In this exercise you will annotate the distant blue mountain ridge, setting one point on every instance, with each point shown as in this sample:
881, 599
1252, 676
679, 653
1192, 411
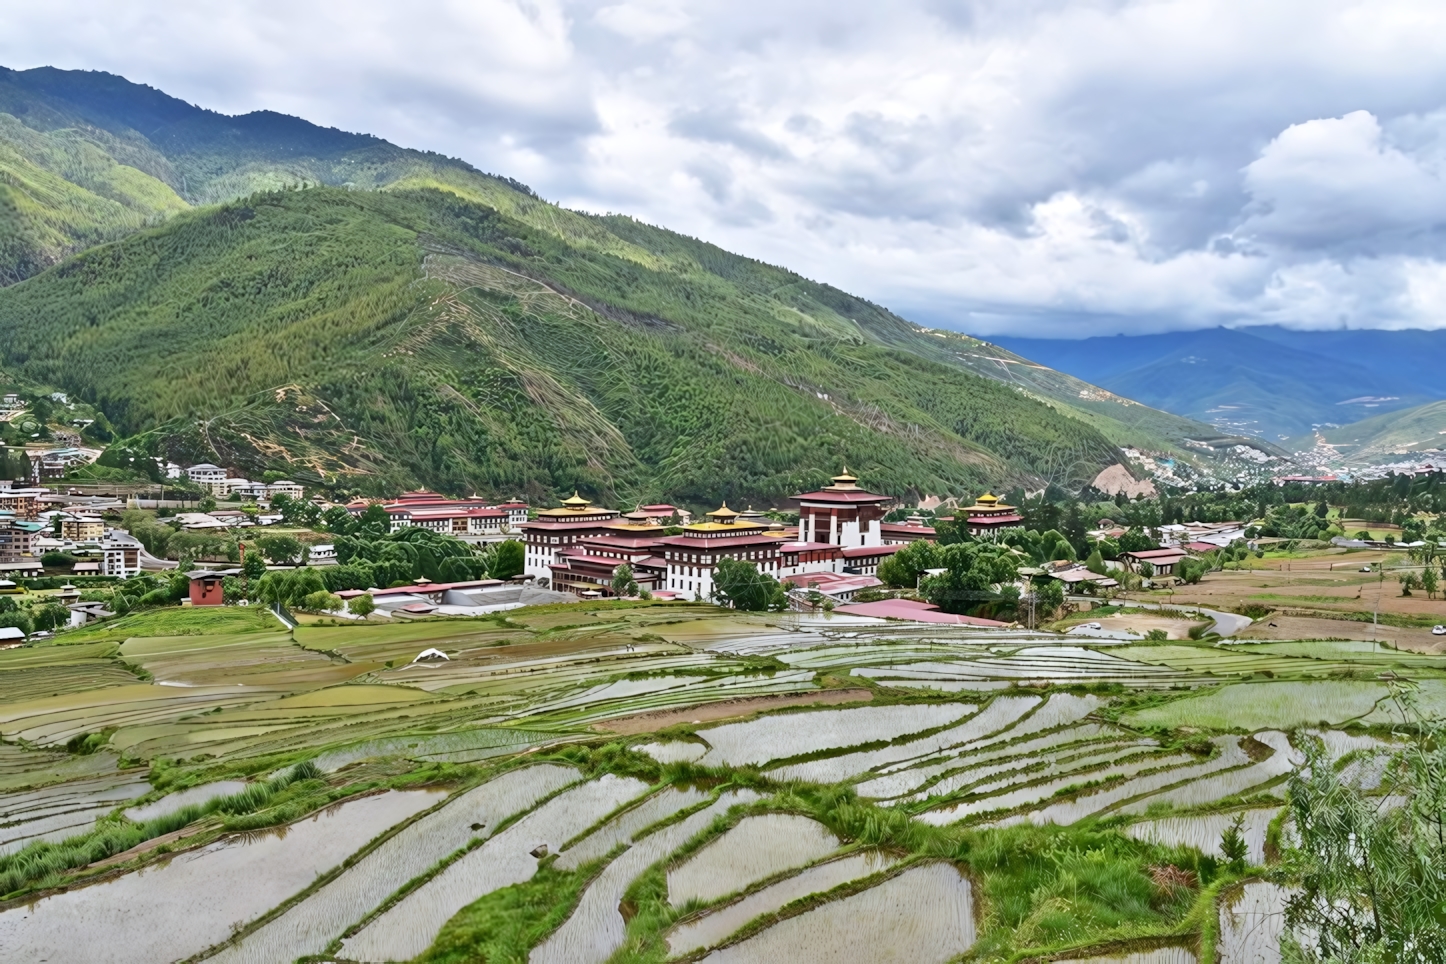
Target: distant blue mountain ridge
1272, 382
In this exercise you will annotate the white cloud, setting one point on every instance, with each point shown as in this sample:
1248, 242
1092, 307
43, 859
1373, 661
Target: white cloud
1049, 167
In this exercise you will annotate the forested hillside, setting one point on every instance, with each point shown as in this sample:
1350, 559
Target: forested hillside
381, 339
423, 322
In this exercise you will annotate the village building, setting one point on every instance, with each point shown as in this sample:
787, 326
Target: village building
211, 478
838, 586
556, 529
120, 554
82, 528
988, 516
17, 541
692, 556
842, 513
24, 502
1154, 563
798, 558
903, 533
587, 566
207, 586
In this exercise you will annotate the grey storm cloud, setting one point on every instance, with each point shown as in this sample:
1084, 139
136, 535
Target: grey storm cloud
1028, 166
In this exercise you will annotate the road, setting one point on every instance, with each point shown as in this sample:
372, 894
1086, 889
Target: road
1226, 624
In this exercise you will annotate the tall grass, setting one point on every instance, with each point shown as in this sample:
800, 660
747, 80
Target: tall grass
42, 864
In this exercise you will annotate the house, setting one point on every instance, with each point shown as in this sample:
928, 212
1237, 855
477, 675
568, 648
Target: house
10, 636
17, 537
120, 554
85, 528
1154, 562
284, 487
516, 511
692, 557
24, 502
841, 513
210, 477
207, 588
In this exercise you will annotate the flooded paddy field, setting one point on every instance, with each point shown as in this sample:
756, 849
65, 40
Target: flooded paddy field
779, 787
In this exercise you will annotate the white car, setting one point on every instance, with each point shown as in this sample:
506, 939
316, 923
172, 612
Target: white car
1367, 569
1438, 631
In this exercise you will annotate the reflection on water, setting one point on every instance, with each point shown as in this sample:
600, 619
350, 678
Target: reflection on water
173, 910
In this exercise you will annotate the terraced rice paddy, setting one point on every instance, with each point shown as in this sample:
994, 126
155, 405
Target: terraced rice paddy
714, 927
596, 928
408, 927
196, 899
1252, 920
758, 848
777, 738
441, 790
309, 926
925, 915
1203, 832
63, 810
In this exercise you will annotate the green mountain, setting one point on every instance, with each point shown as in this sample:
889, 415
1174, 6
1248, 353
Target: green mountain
416, 321
1416, 433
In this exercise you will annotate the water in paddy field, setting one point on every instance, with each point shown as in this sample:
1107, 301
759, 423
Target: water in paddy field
778, 737
596, 928
625, 826
1251, 925
923, 916
184, 798
309, 926
408, 928
174, 910
1203, 832
713, 928
63, 810
757, 848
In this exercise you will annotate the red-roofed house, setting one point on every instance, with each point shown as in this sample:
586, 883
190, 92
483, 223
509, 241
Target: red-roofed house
835, 585
988, 514
1155, 562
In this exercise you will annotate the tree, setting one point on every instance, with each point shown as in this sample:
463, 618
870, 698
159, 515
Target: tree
207, 504
976, 574
1408, 581
902, 569
623, 582
1193, 570
739, 584
254, 566
321, 601
509, 560
1369, 880
1428, 582
336, 519
1234, 845
1048, 598
1096, 563
282, 550
363, 605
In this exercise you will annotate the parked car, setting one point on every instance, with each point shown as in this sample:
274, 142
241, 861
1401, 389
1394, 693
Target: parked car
1367, 569
1438, 631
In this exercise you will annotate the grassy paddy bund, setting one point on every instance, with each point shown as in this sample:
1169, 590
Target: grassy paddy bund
634, 783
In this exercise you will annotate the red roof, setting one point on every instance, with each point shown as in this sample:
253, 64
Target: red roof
831, 581
718, 542
1151, 554
422, 588
904, 529
865, 552
911, 609
1201, 547
858, 497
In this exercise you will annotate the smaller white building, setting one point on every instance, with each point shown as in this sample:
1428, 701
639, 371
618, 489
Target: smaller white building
120, 554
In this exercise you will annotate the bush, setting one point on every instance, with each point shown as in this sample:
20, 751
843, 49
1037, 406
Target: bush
362, 606
321, 601
1157, 635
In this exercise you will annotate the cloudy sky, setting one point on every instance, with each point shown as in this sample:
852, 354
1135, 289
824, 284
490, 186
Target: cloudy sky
996, 166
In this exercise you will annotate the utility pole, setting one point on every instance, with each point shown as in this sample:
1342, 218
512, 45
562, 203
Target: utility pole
1380, 588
